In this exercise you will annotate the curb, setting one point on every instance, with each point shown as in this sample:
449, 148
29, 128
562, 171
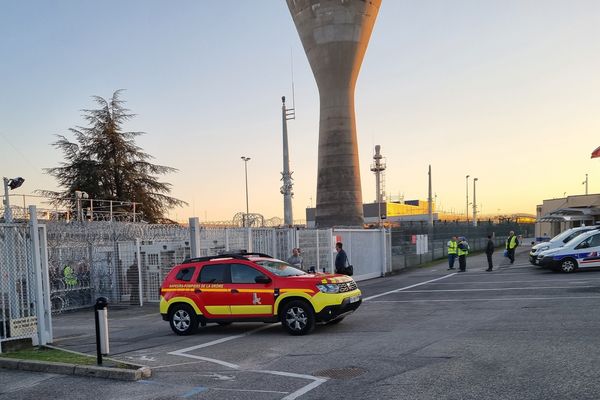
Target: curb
78, 370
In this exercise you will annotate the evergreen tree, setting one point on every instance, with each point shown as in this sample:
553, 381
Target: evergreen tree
105, 162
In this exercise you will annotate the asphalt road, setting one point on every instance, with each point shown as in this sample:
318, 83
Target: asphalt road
515, 333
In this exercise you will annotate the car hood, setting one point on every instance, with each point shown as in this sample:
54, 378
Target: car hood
550, 252
322, 278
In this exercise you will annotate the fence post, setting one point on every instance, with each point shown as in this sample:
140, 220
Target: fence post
330, 250
37, 267
138, 252
318, 252
226, 239
249, 235
383, 252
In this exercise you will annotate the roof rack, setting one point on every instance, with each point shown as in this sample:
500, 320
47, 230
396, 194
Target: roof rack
237, 256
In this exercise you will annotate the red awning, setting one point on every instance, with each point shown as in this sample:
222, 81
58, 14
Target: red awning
596, 153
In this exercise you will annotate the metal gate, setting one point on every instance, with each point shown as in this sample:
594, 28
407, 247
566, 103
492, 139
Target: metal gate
24, 283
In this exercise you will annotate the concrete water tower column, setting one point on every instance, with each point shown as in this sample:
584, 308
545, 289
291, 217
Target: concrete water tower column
335, 35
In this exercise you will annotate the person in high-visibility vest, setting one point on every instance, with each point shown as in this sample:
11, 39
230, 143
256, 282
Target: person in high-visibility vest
69, 276
511, 244
463, 250
452, 252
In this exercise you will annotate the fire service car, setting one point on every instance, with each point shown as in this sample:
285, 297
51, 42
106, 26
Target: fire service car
253, 287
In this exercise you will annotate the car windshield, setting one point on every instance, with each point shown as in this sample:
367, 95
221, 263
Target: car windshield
576, 239
280, 268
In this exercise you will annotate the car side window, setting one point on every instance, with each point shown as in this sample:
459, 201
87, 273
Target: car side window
241, 273
216, 273
185, 274
595, 241
584, 244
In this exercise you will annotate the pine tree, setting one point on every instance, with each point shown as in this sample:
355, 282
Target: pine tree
104, 161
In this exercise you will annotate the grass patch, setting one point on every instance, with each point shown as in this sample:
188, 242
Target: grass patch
47, 354
52, 355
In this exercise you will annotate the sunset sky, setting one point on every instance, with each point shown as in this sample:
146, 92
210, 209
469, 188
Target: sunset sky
506, 91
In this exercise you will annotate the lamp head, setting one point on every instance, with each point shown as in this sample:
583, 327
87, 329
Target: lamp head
15, 183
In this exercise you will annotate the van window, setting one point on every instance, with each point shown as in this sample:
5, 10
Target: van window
574, 235
217, 273
185, 274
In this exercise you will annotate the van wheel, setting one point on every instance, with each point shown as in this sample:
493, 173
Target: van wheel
298, 317
183, 320
568, 265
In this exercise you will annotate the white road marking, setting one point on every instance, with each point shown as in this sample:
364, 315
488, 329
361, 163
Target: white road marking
489, 299
496, 289
223, 340
316, 381
536, 281
248, 390
408, 287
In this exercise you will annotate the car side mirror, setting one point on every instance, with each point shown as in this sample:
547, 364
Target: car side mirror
262, 279
583, 245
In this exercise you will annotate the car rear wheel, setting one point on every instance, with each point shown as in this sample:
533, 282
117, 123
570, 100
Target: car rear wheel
298, 317
568, 265
183, 320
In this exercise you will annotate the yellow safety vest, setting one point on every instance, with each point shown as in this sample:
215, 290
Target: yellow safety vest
462, 252
452, 247
511, 242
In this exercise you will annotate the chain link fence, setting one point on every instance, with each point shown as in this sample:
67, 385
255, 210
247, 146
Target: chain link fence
404, 249
18, 291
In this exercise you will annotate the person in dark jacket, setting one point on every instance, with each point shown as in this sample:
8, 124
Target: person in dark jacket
489, 250
340, 259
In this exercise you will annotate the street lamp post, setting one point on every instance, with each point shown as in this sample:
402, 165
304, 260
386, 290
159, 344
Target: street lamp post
474, 203
10, 184
246, 159
467, 208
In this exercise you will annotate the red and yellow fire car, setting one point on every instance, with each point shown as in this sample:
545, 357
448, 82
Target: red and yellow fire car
253, 287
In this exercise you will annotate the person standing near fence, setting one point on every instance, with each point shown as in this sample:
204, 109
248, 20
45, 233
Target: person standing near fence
341, 259
452, 252
133, 280
511, 244
489, 250
463, 250
295, 260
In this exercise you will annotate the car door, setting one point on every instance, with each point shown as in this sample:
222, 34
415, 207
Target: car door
589, 252
249, 298
211, 292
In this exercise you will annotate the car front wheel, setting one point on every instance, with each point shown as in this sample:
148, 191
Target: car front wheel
568, 265
298, 317
183, 320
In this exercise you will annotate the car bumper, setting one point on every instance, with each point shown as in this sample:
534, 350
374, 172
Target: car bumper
546, 262
348, 306
533, 259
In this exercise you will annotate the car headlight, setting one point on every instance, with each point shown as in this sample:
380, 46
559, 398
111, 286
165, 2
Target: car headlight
328, 288
543, 248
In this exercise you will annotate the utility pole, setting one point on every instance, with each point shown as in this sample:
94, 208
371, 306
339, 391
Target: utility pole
474, 203
429, 201
286, 175
378, 167
586, 184
246, 159
467, 208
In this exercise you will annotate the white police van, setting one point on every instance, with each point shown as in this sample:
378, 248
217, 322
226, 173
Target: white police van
581, 252
558, 241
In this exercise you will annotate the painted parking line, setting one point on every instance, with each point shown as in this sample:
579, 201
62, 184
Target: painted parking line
574, 282
488, 299
497, 289
408, 287
316, 381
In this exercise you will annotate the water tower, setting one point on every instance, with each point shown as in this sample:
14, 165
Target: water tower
335, 35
